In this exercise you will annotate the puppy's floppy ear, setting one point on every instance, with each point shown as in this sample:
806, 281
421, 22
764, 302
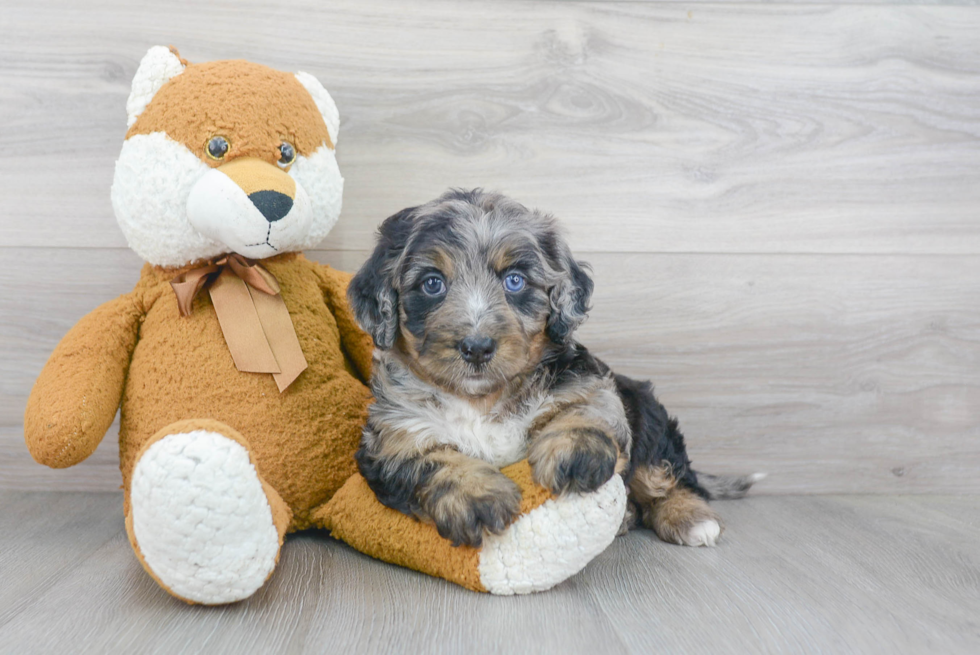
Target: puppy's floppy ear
570, 296
371, 293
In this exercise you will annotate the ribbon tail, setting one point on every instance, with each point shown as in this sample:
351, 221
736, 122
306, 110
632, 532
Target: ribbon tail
281, 336
186, 287
240, 323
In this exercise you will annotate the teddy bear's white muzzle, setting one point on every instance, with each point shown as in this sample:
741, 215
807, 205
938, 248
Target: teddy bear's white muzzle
256, 223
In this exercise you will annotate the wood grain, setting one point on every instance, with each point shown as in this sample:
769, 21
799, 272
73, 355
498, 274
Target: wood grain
791, 575
832, 373
779, 199
650, 127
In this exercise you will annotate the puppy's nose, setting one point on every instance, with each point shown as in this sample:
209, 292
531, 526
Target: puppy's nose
477, 350
272, 204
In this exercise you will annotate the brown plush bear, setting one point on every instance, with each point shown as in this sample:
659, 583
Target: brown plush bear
238, 367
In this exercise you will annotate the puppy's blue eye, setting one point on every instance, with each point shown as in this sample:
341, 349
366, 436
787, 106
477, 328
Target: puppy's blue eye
433, 286
514, 282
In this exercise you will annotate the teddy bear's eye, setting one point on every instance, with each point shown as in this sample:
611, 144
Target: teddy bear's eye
218, 147
287, 154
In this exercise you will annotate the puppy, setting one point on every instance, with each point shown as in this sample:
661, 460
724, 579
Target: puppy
473, 300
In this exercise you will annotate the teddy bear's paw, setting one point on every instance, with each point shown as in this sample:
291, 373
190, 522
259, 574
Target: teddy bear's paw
201, 519
553, 541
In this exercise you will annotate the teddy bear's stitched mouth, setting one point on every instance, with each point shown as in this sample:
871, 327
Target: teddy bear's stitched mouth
263, 243
268, 233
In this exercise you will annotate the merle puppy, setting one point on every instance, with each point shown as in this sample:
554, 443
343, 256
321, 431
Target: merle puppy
472, 300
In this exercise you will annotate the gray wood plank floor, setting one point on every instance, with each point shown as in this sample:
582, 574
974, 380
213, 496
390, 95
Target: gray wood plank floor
833, 574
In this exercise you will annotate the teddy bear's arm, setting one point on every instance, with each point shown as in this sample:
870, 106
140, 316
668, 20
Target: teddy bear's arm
356, 343
75, 398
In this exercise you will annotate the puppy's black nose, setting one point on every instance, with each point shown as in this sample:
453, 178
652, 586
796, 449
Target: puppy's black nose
477, 350
272, 204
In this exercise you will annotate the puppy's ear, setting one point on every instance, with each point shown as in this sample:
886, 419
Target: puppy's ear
571, 294
372, 293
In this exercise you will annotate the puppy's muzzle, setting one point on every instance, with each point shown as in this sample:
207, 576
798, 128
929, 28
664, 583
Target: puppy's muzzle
477, 349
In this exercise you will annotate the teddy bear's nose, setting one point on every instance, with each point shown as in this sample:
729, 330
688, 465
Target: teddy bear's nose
272, 204
269, 188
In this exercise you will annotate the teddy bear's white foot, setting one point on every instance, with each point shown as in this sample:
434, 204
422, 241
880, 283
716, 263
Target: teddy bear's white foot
201, 520
553, 541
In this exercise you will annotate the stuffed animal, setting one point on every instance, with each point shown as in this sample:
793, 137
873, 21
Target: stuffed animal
238, 366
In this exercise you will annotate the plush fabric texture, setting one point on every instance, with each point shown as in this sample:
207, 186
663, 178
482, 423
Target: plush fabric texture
204, 524
553, 539
218, 94
324, 102
355, 516
153, 179
75, 398
180, 368
217, 464
303, 438
300, 442
158, 66
175, 109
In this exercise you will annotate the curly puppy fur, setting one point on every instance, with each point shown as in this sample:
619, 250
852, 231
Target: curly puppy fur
472, 300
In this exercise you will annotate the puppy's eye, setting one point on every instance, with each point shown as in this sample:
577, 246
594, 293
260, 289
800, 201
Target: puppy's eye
433, 286
287, 154
514, 282
218, 147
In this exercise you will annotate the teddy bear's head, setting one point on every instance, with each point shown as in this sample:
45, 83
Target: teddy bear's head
225, 157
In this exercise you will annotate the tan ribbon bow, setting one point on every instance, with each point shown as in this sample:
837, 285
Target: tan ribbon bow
257, 326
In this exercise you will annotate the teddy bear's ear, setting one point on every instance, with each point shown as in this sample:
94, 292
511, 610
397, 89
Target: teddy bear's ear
158, 66
323, 102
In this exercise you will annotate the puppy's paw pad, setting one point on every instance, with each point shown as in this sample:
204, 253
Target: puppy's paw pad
703, 533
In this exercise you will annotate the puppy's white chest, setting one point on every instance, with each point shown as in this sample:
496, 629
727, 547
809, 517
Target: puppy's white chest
500, 442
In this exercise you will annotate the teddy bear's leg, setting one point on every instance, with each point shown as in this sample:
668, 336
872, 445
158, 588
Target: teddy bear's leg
553, 538
201, 520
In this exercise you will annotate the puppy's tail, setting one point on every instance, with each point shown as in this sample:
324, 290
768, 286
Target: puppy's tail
728, 486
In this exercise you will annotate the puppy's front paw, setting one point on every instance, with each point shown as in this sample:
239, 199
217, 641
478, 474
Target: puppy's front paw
465, 507
581, 460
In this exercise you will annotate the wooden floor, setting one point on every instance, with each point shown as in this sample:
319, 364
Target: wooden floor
793, 574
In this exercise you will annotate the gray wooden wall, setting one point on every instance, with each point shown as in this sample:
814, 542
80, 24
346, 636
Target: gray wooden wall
781, 201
